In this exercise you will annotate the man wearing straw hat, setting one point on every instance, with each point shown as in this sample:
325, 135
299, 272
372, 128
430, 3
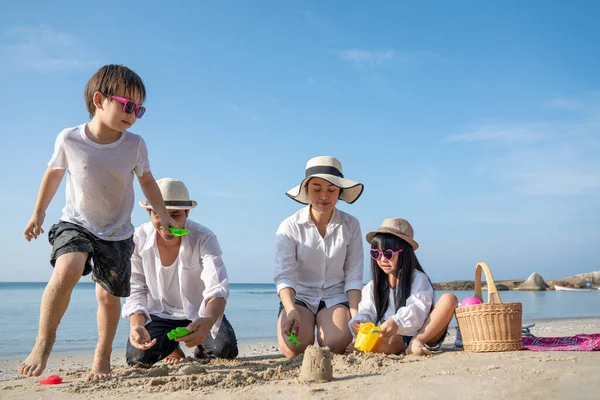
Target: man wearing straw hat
177, 282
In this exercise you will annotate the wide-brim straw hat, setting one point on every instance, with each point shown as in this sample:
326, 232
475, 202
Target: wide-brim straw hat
398, 227
174, 193
329, 169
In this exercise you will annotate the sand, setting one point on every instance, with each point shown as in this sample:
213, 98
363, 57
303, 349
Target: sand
262, 373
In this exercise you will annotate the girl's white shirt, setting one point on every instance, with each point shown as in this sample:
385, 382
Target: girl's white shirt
409, 318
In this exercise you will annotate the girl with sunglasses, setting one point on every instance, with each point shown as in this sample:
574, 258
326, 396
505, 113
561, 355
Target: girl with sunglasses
399, 297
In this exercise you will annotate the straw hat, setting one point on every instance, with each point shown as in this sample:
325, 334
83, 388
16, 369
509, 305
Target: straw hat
174, 193
398, 227
329, 169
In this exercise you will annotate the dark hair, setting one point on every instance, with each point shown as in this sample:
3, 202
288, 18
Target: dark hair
108, 80
406, 264
339, 195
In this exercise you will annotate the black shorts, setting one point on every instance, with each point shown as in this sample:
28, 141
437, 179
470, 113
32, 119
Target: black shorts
110, 261
303, 304
223, 346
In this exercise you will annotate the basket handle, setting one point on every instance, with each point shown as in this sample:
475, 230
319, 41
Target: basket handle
493, 296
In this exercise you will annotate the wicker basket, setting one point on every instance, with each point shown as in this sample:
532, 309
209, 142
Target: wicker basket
493, 326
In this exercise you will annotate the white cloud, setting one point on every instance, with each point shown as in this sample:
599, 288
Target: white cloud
558, 158
564, 103
588, 102
363, 58
561, 183
517, 133
556, 169
244, 113
366, 58
44, 49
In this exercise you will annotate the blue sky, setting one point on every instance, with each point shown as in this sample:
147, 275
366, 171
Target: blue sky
478, 122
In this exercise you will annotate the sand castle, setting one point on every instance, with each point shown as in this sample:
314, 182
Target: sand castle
316, 365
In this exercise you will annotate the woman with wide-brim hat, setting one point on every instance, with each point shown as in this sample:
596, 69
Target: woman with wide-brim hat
319, 261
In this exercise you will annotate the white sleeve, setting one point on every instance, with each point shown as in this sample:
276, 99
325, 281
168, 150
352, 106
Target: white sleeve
214, 276
59, 158
142, 164
353, 265
285, 258
137, 302
412, 316
366, 308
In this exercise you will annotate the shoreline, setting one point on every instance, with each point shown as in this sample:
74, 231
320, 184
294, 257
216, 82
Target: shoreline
262, 372
119, 349
253, 347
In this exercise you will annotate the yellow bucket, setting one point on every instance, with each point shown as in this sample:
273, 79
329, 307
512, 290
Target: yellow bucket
367, 336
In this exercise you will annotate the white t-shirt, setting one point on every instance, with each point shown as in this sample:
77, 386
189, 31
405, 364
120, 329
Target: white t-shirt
168, 278
100, 193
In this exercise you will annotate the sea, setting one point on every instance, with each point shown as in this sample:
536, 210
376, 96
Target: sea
251, 309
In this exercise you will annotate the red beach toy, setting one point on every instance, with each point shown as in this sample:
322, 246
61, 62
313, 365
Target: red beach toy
51, 380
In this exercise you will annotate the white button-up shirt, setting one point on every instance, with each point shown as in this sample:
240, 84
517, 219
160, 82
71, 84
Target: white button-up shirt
319, 268
409, 318
201, 276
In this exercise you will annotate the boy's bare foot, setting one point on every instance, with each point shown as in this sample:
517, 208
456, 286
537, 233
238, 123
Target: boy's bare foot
175, 357
100, 369
34, 364
417, 347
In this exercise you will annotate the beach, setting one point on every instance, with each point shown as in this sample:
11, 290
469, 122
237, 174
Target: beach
261, 372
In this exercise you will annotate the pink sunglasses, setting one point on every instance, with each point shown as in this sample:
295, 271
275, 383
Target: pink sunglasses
387, 254
130, 106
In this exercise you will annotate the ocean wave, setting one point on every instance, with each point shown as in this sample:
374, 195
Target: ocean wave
261, 292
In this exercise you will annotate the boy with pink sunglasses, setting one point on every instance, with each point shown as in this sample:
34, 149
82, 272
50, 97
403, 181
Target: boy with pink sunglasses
94, 233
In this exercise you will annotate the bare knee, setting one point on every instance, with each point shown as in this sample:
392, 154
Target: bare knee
106, 299
289, 352
448, 300
393, 345
335, 347
336, 344
69, 268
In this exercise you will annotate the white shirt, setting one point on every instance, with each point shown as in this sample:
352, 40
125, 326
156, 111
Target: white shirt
200, 273
409, 318
319, 268
100, 194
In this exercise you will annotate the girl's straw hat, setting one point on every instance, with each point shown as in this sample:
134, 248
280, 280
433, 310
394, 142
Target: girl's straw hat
329, 169
398, 227
174, 193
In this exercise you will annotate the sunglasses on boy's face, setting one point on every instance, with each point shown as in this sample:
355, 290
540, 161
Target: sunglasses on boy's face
130, 106
387, 254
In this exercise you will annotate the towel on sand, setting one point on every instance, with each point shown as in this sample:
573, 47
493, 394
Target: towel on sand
583, 342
